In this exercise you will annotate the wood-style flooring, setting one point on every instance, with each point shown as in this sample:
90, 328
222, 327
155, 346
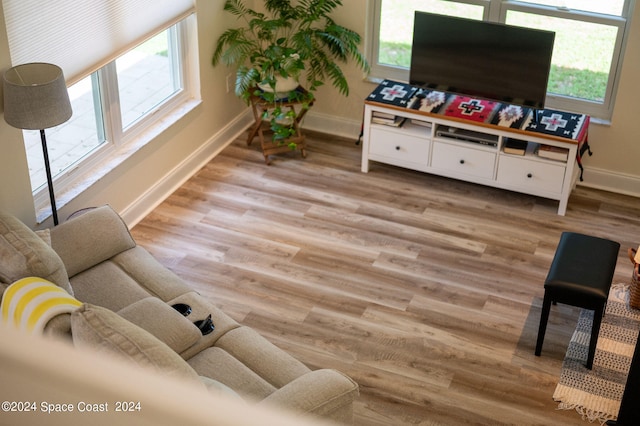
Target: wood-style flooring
425, 290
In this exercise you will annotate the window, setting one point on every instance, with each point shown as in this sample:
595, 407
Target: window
69, 142
125, 63
587, 51
148, 76
110, 107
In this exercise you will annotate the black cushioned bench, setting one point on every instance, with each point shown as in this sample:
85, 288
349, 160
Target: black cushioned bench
580, 275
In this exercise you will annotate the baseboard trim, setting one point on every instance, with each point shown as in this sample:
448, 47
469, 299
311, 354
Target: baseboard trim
148, 201
337, 126
606, 180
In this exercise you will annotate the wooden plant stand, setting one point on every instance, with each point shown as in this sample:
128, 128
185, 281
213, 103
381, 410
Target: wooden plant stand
262, 127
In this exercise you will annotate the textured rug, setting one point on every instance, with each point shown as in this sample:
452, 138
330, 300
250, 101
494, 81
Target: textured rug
596, 393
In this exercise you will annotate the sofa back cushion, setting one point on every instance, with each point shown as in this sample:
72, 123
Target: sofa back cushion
25, 254
91, 238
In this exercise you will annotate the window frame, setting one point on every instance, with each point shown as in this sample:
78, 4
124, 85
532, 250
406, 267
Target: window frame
117, 139
496, 11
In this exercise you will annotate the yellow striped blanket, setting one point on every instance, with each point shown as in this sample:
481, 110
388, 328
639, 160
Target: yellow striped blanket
30, 303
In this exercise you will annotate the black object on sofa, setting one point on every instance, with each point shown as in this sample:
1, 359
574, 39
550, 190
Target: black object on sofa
580, 275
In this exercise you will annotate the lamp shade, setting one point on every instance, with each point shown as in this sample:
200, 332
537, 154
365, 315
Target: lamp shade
35, 96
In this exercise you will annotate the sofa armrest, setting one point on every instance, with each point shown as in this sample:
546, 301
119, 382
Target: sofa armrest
326, 393
90, 238
162, 321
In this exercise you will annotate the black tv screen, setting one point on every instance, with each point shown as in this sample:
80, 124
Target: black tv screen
480, 58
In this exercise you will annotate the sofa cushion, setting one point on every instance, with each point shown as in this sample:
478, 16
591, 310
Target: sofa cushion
59, 327
258, 354
216, 387
91, 238
219, 365
164, 322
126, 278
45, 235
333, 393
150, 274
25, 254
107, 285
104, 330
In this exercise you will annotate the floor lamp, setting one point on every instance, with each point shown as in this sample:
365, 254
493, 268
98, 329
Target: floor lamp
36, 98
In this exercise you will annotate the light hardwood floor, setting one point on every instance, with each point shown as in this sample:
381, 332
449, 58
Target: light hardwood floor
425, 290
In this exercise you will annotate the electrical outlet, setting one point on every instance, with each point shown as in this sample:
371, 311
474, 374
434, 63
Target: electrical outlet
229, 82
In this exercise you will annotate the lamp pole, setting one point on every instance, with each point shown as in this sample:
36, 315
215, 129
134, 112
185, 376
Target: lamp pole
52, 198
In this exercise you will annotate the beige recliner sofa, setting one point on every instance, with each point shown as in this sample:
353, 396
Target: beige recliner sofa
128, 300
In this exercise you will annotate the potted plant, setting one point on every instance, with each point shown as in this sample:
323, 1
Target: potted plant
282, 45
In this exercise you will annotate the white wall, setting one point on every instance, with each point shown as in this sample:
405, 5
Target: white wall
615, 164
15, 187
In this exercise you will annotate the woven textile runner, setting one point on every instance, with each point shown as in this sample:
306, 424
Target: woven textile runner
596, 393
561, 124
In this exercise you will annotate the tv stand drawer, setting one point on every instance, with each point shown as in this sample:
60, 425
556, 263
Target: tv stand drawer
462, 160
530, 175
398, 146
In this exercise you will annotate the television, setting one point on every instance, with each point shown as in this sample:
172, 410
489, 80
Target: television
478, 58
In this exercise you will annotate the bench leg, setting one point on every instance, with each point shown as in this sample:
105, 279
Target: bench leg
544, 317
595, 331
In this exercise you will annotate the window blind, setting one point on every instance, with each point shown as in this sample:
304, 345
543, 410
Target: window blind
83, 36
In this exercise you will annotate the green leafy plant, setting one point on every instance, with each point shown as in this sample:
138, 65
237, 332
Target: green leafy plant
297, 41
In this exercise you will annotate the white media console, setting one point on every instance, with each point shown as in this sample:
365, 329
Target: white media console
469, 151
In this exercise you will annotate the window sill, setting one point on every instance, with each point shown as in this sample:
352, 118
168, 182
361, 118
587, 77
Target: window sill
112, 160
600, 122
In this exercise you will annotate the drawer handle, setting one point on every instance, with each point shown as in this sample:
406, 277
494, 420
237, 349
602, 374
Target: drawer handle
529, 175
462, 161
397, 148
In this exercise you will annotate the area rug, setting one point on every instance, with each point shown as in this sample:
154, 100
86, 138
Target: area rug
596, 393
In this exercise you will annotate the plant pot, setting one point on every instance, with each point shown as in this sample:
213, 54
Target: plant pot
283, 86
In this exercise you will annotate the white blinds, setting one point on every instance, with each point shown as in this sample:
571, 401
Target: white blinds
82, 36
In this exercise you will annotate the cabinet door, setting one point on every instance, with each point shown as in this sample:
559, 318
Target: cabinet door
398, 147
463, 160
530, 175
